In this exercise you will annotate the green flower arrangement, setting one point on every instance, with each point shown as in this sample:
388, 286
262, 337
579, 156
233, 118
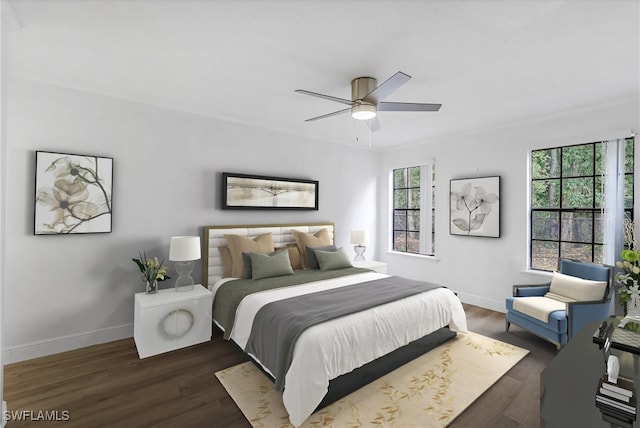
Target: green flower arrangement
152, 269
629, 266
630, 275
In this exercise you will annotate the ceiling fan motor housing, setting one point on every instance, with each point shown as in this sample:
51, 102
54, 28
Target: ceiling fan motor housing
361, 87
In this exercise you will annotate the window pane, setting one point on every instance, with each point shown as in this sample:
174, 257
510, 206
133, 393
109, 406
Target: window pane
545, 194
577, 193
598, 254
400, 178
544, 255
545, 163
400, 198
545, 225
413, 220
628, 191
600, 168
628, 156
399, 241
598, 231
580, 252
413, 242
577, 160
599, 200
414, 198
414, 176
577, 227
400, 220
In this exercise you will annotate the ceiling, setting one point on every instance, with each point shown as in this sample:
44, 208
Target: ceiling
489, 63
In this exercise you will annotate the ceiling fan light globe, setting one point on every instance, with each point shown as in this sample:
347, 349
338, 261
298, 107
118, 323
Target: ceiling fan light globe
363, 111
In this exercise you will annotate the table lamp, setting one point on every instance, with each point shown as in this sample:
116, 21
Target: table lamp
184, 250
359, 240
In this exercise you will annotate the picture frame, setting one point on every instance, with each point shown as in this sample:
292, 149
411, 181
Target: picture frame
73, 194
259, 192
475, 207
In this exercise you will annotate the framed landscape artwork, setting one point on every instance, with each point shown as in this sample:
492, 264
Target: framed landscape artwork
243, 191
475, 207
73, 194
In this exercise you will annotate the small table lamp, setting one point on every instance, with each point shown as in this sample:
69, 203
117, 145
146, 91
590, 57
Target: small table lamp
184, 250
359, 239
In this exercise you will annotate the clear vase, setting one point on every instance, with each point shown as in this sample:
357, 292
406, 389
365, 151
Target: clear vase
152, 286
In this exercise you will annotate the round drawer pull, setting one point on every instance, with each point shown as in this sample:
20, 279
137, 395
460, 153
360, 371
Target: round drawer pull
177, 323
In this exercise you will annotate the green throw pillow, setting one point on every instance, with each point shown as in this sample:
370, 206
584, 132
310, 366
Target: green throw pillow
268, 265
331, 260
312, 261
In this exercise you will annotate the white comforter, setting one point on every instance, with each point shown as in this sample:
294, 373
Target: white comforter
333, 348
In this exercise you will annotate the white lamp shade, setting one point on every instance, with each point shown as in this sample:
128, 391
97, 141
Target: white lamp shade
184, 248
359, 237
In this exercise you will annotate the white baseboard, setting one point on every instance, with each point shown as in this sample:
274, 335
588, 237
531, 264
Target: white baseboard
41, 348
483, 302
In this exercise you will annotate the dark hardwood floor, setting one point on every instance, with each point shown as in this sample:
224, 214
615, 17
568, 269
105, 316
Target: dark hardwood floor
108, 385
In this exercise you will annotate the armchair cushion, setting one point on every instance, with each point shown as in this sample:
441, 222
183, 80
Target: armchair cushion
538, 307
576, 289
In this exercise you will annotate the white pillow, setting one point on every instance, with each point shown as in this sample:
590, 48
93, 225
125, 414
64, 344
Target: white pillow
577, 288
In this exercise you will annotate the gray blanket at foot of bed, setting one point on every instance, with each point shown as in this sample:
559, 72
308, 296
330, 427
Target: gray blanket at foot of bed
277, 325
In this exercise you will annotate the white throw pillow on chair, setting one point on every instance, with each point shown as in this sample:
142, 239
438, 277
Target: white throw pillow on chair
577, 289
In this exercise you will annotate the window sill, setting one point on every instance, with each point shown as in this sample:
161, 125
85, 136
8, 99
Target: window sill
418, 256
539, 273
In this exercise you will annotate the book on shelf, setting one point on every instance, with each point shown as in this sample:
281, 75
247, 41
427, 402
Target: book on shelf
612, 402
624, 386
618, 413
622, 397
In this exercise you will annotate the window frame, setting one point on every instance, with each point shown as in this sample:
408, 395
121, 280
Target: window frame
596, 192
426, 208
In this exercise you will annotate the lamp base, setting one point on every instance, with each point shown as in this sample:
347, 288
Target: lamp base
359, 249
184, 282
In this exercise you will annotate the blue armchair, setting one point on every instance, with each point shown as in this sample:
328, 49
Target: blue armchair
556, 311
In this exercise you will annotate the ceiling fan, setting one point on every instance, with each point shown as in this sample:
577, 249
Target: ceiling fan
367, 99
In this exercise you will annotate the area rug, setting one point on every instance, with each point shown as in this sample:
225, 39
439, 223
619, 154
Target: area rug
429, 391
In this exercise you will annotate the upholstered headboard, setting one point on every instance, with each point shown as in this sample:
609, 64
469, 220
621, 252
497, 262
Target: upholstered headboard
282, 235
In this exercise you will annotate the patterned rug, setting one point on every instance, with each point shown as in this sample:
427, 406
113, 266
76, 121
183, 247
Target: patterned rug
429, 391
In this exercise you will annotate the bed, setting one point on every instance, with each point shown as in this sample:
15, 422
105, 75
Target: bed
340, 351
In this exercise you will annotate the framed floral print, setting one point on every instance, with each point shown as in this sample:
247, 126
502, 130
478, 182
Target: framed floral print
475, 207
73, 194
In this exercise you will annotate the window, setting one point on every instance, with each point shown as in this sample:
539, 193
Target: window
413, 209
568, 201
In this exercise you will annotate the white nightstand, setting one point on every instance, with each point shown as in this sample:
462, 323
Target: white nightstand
380, 267
170, 319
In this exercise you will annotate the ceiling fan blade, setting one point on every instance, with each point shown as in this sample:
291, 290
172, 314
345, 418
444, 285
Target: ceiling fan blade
386, 106
326, 97
324, 116
387, 88
373, 124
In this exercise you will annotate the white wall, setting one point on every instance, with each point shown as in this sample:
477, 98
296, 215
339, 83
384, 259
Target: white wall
64, 292
482, 270
3, 165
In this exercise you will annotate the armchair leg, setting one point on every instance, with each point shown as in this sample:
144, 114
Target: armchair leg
507, 324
